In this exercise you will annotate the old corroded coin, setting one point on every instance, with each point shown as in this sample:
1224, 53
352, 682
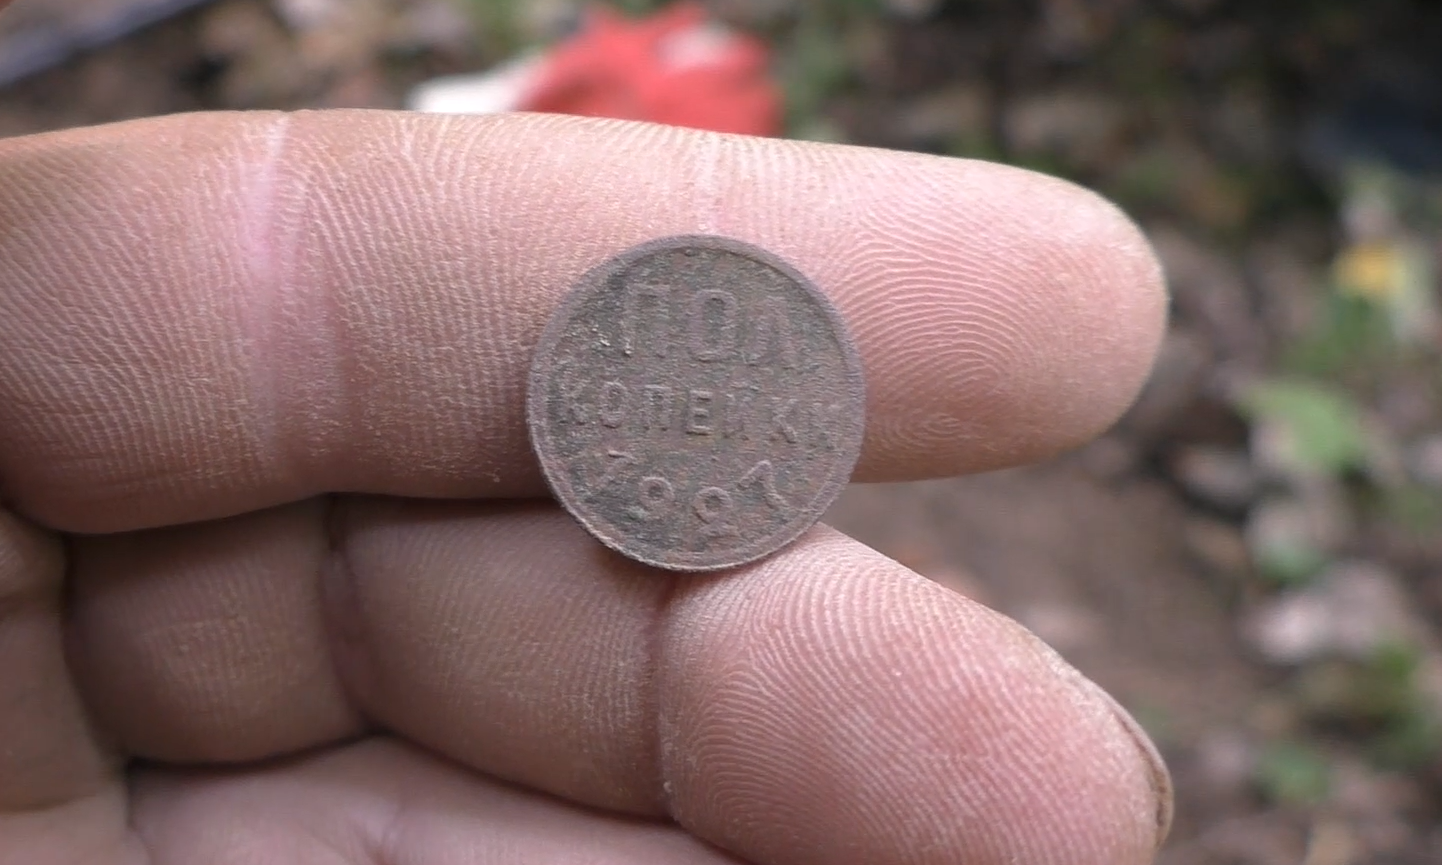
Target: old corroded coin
696, 403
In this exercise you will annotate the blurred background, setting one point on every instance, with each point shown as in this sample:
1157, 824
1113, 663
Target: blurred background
1252, 559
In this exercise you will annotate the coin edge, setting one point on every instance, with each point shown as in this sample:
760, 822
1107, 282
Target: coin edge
596, 277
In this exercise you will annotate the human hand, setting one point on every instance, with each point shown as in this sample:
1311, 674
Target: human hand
267, 593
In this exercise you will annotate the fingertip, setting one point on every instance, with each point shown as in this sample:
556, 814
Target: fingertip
855, 712
1020, 316
1110, 308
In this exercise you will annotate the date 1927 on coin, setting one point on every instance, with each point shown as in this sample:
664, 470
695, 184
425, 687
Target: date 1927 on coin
696, 403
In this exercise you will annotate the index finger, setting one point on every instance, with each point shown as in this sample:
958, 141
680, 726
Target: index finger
206, 314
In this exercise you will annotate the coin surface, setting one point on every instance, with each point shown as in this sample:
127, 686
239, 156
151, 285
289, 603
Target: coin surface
696, 403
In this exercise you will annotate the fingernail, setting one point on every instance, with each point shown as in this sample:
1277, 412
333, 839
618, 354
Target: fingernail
1157, 775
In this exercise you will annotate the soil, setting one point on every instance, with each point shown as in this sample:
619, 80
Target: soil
1227, 129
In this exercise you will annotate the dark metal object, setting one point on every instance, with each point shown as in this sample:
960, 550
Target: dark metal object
696, 403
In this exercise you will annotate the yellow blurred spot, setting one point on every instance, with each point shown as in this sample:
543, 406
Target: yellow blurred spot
1371, 270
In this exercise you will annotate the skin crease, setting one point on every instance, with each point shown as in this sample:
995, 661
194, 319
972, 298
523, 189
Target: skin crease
244, 356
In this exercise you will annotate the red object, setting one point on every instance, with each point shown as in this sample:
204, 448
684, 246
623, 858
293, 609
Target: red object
675, 67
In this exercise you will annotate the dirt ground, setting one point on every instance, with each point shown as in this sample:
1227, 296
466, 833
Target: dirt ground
1152, 559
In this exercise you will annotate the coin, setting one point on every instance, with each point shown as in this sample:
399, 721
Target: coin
696, 403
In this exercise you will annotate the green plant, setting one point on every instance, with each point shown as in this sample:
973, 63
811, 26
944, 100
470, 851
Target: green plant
1379, 701
1322, 423
1409, 733
498, 26
813, 67
1292, 772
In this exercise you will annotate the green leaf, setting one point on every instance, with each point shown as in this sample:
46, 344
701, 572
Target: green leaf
1293, 773
1289, 563
1323, 425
